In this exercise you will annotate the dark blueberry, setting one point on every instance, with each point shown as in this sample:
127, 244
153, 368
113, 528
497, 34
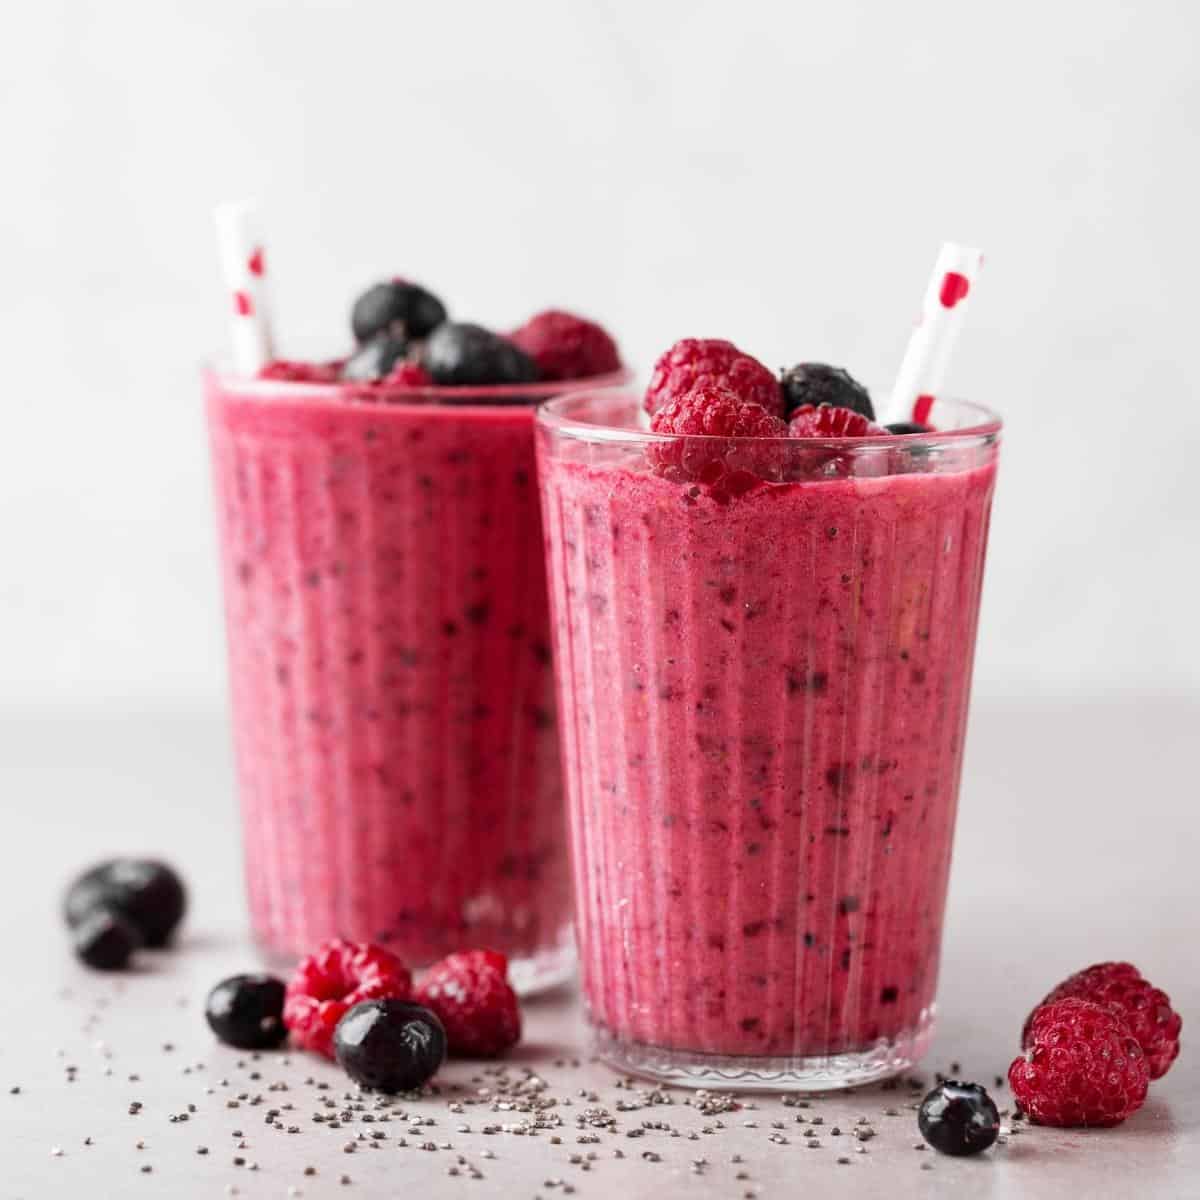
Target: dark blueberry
247, 1011
147, 893
818, 383
390, 1045
908, 427
958, 1118
460, 354
104, 939
374, 359
396, 307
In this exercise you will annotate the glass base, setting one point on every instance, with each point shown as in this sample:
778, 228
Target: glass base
729, 1072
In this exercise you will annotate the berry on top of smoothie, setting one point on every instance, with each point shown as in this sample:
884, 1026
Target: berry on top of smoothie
566, 346
459, 353
396, 307
375, 359
828, 421
814, 384
694, 361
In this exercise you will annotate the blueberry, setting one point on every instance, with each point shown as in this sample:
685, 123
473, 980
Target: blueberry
146, 892
396, 307
908, 427
818, 383
390, 1045
374, 359
247, 1011
958, 1118
104, 939
460, 354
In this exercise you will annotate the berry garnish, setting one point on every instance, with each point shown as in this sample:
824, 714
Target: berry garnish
471, 994
292, 371
390, 1045
246, 1011
105, 939
407, 374
329, 982
711, 361
146, 892
830, 422
903, 427
958, 1118
1081, 1066
458, 354
1146, 1009
814, 384
565, 346
375, 359
396, 307
708, 413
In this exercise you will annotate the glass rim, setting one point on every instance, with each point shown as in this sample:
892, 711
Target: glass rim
985, 426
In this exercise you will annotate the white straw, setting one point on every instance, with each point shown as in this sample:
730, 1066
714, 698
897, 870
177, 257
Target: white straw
243, 265
946, 299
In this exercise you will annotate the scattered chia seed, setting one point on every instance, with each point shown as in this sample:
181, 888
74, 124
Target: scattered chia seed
843, 1160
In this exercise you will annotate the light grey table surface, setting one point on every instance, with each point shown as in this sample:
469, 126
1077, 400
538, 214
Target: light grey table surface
1078, 841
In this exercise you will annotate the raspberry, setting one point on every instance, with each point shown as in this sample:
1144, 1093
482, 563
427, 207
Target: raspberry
471, 995
407, 373
565, 346
714, 412
826, 421
1146, 1009
695, 361
293, 371
329, 982
1082, 1066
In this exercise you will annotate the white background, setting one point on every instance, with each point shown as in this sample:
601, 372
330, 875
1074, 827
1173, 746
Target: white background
780, 174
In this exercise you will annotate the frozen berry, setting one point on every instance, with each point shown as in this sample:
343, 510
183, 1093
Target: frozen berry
565, 346
711, 361
146, 892
1081, 1066
407, 374
291, 371
375, 359
814, 384
830, 422
247, 1011
330, 981
1146, 1009
905, 427
397, 307
471, 994
104, 939
458, 354
390, 1045
958, 1118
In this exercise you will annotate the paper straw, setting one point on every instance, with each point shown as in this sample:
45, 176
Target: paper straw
925, 361
243, 264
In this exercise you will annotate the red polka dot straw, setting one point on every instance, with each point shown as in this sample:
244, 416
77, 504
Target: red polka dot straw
243, 265
925, 361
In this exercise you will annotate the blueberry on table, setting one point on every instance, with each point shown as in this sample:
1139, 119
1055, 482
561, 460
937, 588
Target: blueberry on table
396, 307
105, 940
375, 359
246, 1011
958, 1118
908, 427
145, 892
460, 354
819, 383
390, 1045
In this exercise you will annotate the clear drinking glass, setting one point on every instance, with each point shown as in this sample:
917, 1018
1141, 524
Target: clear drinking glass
762, 697
389, 665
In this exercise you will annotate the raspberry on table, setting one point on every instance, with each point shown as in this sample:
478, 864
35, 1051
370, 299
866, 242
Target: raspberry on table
293, 371
712, 361
330, 981
1145, 1009
471, 995
829, 421
565, 346
1081, 1066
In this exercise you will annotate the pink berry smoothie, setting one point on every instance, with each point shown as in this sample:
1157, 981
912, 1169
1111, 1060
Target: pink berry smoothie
390, 669
763, 707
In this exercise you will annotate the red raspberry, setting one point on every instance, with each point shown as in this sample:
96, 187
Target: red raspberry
1145, 1009
828, 421
471, 995
407, 373
329, 982
1082, 1066
695, 361
565, 346
292, 371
